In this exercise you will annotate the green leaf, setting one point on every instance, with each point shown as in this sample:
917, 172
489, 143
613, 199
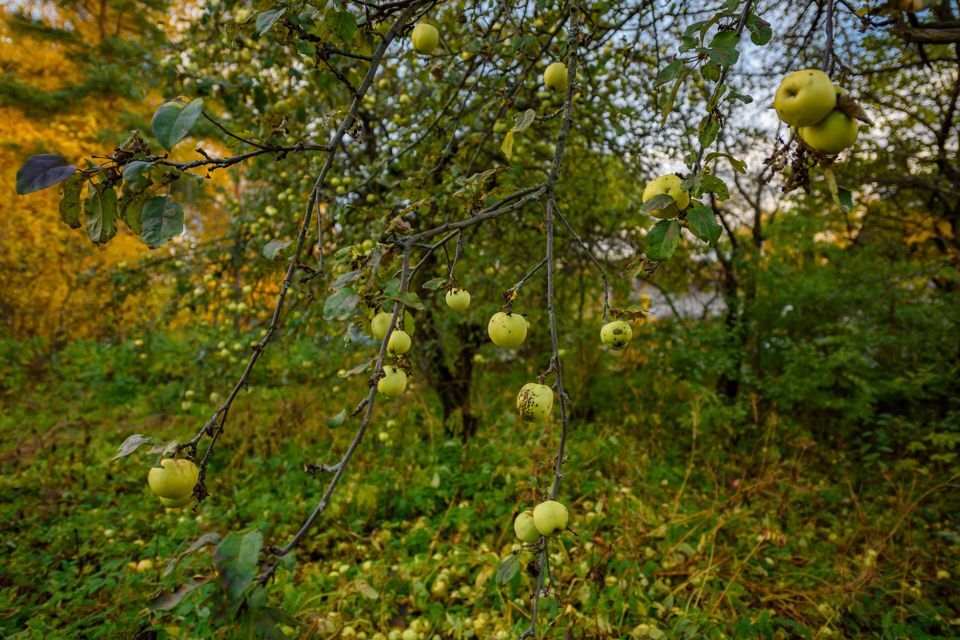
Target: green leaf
70, 193
739, 165
710, 71
133, 170
272, 248
434, 284
172, 121
709, 129
658, 203
723, 48
662, 240
668, 73
341, 304
100, 211
710, 183
760, 31
337, 420
237, 558
703, 223
130, 209
342, 24
201, 542
667, 102
845, 199
407, 298
508, 568
507, 145
267, 19
131, 444
160, 220
167, 600
42, 171
522, 121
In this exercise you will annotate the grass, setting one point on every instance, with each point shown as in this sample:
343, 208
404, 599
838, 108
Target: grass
682, 529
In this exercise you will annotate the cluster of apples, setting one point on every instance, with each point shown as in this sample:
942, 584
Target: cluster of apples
807, 100
426, 39
548, 519
173, 482
394, 380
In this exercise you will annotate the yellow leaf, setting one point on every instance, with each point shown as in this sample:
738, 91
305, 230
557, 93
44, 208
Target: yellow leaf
507, 145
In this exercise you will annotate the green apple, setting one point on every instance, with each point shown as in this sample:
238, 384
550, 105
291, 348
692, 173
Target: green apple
174, 478
525, 529
535, 401
399, 343
507, 330
550, 518
805, 98
425, 38
672, 185
555, 76
831, 135
616, 334
381, 322
458, 299
393, 383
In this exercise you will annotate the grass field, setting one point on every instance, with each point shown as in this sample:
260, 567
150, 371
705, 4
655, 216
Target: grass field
791, 538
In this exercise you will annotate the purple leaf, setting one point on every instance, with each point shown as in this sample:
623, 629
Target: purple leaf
42, 171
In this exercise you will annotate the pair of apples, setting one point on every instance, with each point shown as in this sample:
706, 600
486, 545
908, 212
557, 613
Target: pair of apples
426, 39
535, 400
807, 100
173, 481
548, 519
509, 330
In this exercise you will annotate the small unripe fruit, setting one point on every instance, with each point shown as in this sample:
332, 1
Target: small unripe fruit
550, 518
393, 383
616, 334
525, 529
555, 76
458, 299
535, 401
399, 343
425, 38
507, 330
174, 478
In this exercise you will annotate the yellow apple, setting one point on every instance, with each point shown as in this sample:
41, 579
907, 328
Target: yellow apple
831, 135
399, 343
805, 97
393, 383
458, 299
550, 518
616, 334
174, 478
425, 38
555, 76
507, 330
672, 185
535, 401
525, 529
